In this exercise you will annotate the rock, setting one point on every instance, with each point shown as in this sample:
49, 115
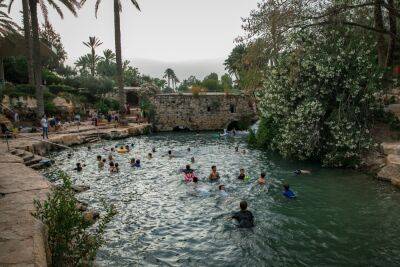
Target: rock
81, 206
396, 182
91, 216
80, 188
393, 159
391, 148
390, 173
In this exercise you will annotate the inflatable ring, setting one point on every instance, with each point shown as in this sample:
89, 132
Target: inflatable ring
122, 150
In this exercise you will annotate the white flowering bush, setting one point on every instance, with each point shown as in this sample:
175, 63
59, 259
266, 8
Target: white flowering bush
320, 98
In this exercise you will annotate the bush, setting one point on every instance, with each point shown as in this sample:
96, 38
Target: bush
51, 78
25, 89
69, 239
105, 105
59, 88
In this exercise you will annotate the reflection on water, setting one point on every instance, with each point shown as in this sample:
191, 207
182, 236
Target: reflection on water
340, 218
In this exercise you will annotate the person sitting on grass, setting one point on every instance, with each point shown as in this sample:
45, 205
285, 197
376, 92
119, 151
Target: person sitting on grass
244, 217
287, 192
214, 175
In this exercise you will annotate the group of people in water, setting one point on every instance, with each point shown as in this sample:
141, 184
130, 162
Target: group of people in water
244, 217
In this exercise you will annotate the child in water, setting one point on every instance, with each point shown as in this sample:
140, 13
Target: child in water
214, 175
244, 217
287, 192
262, 180
242, 175
299, 172
137, 163
149, 156
112, 167
133, 161
78, 167
222, 190
188, 174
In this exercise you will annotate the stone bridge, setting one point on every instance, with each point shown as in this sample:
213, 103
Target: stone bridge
205, 111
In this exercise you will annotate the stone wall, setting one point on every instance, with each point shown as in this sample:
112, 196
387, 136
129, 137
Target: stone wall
211, 111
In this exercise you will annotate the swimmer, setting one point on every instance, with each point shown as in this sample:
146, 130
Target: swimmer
188, 174
287, 192
103, 163
244, 217
214, 175
133, 161
149, 156
242, 175
153, 150
78, 167
132, 145
137, 163
116, 167
222, 190
112, 167
69, 155
188, 149
244, 151
192, 160
89, 148
127, 148
299, 172
98, 158
236, 149
262, 180
112, 149
170, 154
110, 157
100, 163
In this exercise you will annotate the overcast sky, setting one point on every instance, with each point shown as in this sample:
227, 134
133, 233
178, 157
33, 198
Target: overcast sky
170, 31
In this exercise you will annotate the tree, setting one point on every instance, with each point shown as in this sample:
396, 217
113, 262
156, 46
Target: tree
117, 28
71, 5
53, 40
211, 82
226, 82
93, 43
84, 63
107, 66
169, 74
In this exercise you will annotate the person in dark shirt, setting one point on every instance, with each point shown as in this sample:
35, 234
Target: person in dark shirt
287, 192
242, 175
244, 217
78, 167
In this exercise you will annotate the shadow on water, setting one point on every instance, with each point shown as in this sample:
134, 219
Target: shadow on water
340, 218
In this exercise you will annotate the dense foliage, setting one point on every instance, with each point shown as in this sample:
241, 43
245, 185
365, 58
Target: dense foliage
71, 241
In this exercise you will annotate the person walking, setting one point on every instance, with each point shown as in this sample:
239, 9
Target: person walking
45, 127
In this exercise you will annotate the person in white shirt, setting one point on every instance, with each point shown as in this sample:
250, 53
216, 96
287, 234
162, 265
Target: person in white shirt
45, 127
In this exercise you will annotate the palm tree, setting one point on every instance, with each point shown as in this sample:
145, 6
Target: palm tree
71, 5
7, 26
93, 43
175, 80
28, 37
169, 74
117, 28
108, 55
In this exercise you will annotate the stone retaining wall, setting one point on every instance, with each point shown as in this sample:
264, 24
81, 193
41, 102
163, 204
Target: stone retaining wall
211, 111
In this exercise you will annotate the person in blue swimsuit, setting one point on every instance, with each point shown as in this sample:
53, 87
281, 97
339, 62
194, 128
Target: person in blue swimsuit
287, 192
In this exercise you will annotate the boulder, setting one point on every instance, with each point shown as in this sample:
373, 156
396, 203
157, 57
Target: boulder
80, 188
390, 172
391, 148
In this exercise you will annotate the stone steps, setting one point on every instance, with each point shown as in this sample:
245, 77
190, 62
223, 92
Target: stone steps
31, 160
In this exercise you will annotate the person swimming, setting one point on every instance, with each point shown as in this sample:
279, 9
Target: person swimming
244, 217
116, 167
78, 167
133, 161
69, 155
110, 157
214, 175
153, 150
103, 163
222, 190
242, 175
188, 174
112, 149
89, 148
262, 180
112, 167
149, 156
170, 154
188, 149
127, 148
99, 162
192, 160
287, 192
137, 163
236, 149
299, 172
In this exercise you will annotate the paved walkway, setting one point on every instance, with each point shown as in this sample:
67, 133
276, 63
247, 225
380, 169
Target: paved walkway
21, 236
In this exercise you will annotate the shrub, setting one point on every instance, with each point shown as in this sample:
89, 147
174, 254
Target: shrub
69, 239
24, 89
56, 89
51, 78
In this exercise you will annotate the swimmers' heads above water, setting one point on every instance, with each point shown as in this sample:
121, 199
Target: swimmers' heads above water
299, 172
69, 155
188, 149
236, 149
262, 180
221, 187
98, 158
78, 167
150, 156
116, 167
214, 175
110, 157
153, 150
170, 152
89, 148
192, 160
287, 192
112, 149
137, 163
242, 175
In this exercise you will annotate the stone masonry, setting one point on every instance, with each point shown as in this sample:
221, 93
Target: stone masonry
206, 111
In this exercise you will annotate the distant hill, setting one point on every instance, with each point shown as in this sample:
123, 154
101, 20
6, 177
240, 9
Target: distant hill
183, 69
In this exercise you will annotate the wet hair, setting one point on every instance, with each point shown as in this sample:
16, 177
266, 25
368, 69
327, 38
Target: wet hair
286, 186
153, 149
78, 164
169, 152
188, 167
98, 157
132, 144
192, 159
133, 160
116, 165
89, 147
111, 164
243, 205
213, 167
104, 160
195, 179
188, 149
150, 155
221, 186
242, 169
138, 161
263, 174
236, 148
112, 149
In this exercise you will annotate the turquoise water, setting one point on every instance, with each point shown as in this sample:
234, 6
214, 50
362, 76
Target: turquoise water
340, 217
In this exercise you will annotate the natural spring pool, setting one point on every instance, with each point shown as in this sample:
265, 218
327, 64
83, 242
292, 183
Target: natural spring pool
340, 217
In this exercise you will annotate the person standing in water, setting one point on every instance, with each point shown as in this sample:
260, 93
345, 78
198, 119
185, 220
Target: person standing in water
244, 217
214, 175
262, 180
287, 192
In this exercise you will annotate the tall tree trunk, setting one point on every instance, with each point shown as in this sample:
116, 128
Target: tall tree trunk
28, 41
120, 78
393, 34
2, 78
93, 63
36, 58
380, 39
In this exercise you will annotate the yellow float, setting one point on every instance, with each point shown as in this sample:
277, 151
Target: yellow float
122, 150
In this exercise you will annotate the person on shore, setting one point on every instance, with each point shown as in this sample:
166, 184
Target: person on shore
45, 127
262, 180
300, 172
244, 217
222, 190
214, 175
78, 167
287, 192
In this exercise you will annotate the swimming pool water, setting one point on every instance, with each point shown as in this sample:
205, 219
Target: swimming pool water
340, 217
